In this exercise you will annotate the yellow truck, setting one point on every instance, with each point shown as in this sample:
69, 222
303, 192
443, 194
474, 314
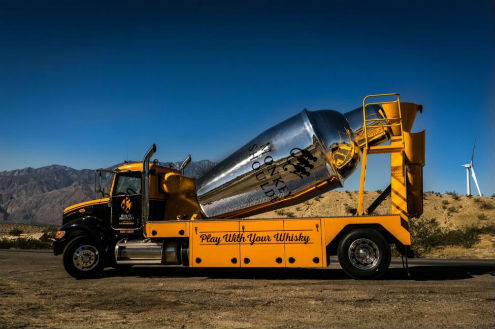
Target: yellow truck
154, 214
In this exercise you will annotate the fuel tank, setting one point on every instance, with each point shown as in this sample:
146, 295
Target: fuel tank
297, 159
147, 252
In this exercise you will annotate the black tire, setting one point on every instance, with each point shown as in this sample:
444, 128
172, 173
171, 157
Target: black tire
364, 254
83, 258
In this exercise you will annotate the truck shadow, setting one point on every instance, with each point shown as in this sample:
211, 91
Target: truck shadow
417, 273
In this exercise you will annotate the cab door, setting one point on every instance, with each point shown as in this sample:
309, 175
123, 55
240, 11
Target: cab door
126, 201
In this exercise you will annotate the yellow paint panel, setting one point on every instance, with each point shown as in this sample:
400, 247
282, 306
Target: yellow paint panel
226, 243
303, 243
259, 247
392, 223
167, 229
215, 244
332, 227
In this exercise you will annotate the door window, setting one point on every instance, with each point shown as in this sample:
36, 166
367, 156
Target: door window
128, 183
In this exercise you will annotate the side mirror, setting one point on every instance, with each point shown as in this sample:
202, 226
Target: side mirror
98, 183
184, 164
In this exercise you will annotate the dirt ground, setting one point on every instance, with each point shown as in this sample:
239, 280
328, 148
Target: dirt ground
36, 292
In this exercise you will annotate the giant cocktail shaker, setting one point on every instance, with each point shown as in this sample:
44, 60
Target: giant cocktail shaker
303, 156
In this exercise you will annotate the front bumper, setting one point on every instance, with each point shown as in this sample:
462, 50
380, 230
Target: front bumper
59, 246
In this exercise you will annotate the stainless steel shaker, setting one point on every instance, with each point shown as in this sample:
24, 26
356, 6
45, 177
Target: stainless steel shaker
303, 156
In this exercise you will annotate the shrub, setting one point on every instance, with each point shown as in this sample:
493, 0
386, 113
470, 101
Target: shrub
466, 237
445, 202
49, 234
290, 214
482, 217
16, 231
452, 209
318, 198
350, 210
280, 212
47, 237
5, 244
488, 229
23, 243
483, 205
427, 234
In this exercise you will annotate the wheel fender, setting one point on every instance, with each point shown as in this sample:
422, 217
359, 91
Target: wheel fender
333, 244
93, 227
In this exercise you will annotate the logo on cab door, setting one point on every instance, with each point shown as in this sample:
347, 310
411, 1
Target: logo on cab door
126, 205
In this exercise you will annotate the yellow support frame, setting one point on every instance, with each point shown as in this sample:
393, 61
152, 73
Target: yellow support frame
396, 150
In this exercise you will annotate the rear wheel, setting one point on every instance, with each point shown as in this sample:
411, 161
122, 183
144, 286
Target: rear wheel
83, 258
364, 254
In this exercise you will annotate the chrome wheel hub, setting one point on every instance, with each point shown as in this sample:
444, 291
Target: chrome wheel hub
85, 257
364, 254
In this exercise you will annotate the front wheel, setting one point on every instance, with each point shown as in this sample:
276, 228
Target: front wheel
83, 258
364, 254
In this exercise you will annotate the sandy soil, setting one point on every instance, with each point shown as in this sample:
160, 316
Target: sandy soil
36, 292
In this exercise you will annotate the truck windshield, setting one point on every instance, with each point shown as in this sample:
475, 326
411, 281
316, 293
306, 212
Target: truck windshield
128, 183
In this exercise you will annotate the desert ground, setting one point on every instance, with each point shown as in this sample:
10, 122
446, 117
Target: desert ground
36, 292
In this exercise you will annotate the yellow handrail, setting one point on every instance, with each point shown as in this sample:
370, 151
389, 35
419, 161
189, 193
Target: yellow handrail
389, 121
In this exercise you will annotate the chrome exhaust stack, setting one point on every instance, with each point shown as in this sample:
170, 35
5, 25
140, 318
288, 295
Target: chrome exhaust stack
145, 204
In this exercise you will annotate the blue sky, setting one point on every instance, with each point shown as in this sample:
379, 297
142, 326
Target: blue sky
87, 84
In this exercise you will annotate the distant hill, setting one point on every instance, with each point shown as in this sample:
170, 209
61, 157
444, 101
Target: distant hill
39, 195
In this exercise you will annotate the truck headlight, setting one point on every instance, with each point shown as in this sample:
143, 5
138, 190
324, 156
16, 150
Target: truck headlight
59, 235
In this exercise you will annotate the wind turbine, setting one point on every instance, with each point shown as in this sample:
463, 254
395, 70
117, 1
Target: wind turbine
470, 168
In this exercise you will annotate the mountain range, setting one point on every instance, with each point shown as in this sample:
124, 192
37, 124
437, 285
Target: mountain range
39, 195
